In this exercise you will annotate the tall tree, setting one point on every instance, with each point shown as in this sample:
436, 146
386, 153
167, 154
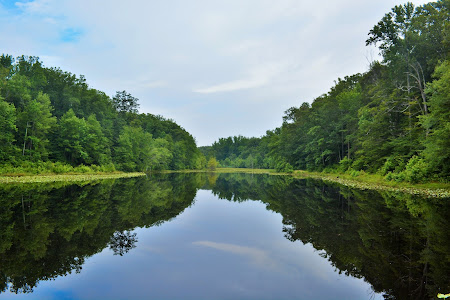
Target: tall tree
437, 150
72, 136
7, 129
96, 144
35, 122
134, 148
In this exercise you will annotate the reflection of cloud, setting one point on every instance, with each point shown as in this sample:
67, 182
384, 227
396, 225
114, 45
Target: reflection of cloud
151, 249
257, 256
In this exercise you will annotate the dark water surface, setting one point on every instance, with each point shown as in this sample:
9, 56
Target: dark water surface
228, 236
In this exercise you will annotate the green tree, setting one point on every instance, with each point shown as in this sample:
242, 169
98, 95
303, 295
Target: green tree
134, 148
7, 128
72, 138
96, 144
35, 122
17, 91
437, 145
159, 154
212, 164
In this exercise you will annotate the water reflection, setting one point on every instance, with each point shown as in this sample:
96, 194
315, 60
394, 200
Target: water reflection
397, 243
48, 231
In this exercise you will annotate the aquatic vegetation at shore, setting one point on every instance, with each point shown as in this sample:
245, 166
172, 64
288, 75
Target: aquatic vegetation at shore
66, 177
424, 192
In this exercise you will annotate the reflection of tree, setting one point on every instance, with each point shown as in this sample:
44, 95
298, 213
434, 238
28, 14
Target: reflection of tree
397, 243
122, 242
49, 231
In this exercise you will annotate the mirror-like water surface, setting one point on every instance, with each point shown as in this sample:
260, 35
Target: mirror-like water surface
227, 236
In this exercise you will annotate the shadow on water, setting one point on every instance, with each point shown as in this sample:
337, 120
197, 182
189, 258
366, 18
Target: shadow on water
397, 243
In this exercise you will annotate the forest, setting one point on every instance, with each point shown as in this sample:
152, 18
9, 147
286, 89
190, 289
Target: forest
52, 121
393, 120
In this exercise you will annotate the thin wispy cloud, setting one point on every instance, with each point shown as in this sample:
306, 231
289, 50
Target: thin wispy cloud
260, 76
233, 86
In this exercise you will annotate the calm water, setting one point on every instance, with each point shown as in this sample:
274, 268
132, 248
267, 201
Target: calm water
228, 236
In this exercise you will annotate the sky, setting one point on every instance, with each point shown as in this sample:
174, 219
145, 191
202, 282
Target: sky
218, 68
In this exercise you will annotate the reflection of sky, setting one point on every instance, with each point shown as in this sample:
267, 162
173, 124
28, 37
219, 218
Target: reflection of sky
215, 249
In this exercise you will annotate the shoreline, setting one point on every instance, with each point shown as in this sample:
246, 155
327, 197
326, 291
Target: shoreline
45, 178
371, 182
362, 182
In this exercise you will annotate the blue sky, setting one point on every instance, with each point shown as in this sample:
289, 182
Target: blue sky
218, 68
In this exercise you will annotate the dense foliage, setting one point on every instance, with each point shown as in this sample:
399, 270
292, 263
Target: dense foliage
394, 119
50, 115
395, 241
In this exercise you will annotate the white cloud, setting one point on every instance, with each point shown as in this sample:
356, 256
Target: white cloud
35, 7
275, 53
260, 76
153, 84
233, 86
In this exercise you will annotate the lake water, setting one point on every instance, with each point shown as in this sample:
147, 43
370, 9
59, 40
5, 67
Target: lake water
227, 236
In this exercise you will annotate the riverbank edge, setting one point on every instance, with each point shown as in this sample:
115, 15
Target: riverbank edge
375, 182
45, 178
362, 182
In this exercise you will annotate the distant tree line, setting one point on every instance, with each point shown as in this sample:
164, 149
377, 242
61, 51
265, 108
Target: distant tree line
394, 119
48, 115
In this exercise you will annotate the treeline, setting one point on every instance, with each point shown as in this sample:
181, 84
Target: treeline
51, 120
394, 119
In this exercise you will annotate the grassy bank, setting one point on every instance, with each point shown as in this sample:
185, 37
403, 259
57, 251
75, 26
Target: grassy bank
362, 181
42, 172
66, 177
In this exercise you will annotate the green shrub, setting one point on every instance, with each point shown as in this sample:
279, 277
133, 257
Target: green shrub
60, 168
399, 177
212, 164
330, 169
82, 169
417, 170
345, 164
359, 164
392, 164
388, 176
354, 173
95, 168
109, 168
284, 167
